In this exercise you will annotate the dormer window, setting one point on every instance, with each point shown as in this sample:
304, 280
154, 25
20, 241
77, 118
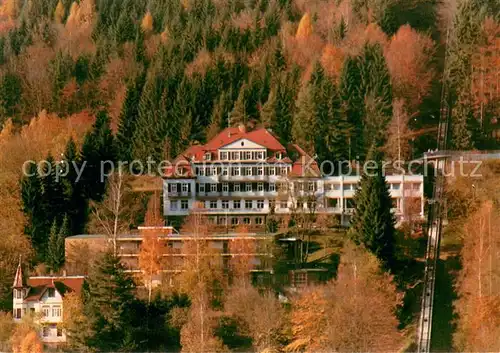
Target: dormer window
18, 293
208, 156
279, 155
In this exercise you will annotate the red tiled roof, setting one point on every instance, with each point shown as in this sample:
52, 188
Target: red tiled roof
231, 134
38, 286
305, 166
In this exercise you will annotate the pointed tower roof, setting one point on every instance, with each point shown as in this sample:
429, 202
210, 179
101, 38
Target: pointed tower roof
18, 280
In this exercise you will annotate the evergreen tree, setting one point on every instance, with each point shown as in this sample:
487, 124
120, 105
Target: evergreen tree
77, 204
373, 223
55, 249
108, 296
239, 112
304, 127
268, 111
128, 118
10, 93
97, 151
31, 194
53, 199
60, 69
353, 104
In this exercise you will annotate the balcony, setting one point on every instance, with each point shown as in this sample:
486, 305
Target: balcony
246, 177
231, 211
179, 194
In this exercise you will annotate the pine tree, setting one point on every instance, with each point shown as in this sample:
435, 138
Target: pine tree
77, 203
373, 223
268, 111
377, 91
55, 249
304, 121
128, 118
31, 194
53, 199
239, 112
108, 297
353, 105
97, 151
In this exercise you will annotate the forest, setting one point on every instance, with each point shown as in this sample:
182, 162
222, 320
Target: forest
95, 80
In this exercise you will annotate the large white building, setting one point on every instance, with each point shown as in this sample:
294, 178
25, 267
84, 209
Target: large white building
42, 297
241, 177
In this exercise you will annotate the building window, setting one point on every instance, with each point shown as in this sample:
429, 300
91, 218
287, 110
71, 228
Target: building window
236, 187
272, 187
184, 204
200, 171
247, 155
260, 203
237, 204
416, 187
213, 204
234, 221
260, 155
246, 220
208, 156
258, 220
260, 187
235, 171
300, 279
333, 203
248, 203
247, 171
396, 186
271, 171
32, 310
223, 156
222, 220
59, 332
51, 293
279, 155
283, 171
235, 156
347, 186
46, 331
213, 187
17, 313
56, 311
225, 171
225, 204
173, 187
208, 171
260, 170
174, 205
201, 187
45, 311
185, 187
18, 293
248, 187
283, 204
349, 203
225, 187
311, 186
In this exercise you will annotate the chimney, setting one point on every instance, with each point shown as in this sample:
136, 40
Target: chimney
241, 128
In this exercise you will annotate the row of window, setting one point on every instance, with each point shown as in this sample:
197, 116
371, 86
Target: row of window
351, 186
237, 187
47, 311
241, 156
241, 171
234, 221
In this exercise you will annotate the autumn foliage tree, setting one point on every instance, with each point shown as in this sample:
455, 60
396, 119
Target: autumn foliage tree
152, 247
200, 277
355, 312
478, 306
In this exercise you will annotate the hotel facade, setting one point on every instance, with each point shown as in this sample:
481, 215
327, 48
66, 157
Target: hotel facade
242, 177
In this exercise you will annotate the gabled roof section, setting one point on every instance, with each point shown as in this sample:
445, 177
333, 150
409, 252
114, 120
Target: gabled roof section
305, 165
38, 286
229, 135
